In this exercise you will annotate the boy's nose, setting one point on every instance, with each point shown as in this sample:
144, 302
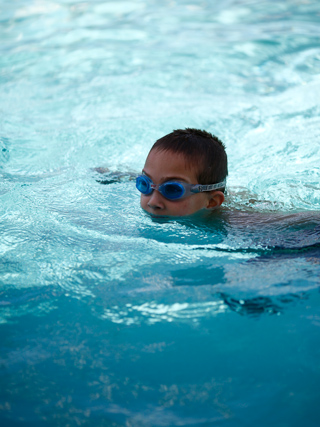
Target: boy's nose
156, 200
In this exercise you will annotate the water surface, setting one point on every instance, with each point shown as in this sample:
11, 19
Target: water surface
110, 317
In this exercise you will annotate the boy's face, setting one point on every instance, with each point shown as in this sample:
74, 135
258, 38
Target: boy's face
164, 166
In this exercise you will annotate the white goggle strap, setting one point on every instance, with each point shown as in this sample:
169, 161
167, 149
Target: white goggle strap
200, 188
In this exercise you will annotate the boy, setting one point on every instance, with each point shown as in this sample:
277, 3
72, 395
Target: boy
185, 172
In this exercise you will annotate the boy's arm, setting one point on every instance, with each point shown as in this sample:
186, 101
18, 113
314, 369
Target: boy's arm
109, 177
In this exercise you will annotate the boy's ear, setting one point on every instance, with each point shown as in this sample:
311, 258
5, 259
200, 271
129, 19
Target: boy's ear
216, 199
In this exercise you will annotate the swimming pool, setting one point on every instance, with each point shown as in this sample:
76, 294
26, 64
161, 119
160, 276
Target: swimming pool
112, 318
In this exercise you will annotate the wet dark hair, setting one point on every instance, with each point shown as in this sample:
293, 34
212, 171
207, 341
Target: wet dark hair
201, 149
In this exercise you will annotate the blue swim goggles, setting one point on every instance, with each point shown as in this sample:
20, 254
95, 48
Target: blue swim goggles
174, 190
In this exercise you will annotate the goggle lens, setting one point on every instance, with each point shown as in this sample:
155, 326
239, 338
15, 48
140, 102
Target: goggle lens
172, 191
143, 185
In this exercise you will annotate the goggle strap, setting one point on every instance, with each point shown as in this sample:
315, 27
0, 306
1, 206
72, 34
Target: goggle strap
211, 187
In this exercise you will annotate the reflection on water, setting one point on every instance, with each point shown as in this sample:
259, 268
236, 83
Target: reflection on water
109, 317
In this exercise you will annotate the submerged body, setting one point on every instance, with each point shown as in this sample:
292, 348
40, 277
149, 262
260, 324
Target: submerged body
263, 228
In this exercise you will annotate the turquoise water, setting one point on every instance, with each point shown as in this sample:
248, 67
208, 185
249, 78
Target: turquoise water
109, 317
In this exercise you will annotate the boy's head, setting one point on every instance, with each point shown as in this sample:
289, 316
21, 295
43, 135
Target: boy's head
188, 157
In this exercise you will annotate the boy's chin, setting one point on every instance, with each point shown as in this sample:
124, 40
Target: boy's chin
202, 213
156, 216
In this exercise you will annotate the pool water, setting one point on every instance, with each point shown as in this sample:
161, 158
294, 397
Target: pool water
110, 317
